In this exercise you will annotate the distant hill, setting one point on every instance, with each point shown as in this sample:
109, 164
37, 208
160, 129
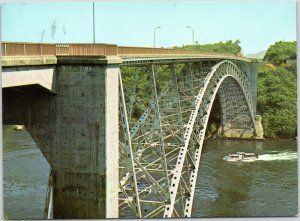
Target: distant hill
258, 55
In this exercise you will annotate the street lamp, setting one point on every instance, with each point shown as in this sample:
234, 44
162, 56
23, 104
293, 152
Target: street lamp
93, 22
192, 33
154, 33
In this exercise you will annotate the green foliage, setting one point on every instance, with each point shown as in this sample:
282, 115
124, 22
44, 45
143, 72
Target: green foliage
280, 123
277, 101
230, 46
280, 52
143, 86
277, 91
291, 67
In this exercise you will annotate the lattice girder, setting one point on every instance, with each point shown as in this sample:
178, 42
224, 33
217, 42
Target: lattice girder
166, 141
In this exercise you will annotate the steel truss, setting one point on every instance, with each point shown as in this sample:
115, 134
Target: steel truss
160, 150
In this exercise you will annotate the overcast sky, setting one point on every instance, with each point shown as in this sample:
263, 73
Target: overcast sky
257, 24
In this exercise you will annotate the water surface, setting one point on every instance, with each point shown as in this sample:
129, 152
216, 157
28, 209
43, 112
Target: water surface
25, 176
265, 187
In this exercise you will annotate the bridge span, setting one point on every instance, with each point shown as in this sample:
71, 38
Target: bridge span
123, 127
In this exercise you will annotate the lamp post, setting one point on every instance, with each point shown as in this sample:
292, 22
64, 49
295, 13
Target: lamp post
193, 32
93, 22
154, 34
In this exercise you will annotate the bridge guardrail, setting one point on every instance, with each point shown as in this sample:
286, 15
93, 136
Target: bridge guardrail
38, 49
86, 49
27, 49
123, 50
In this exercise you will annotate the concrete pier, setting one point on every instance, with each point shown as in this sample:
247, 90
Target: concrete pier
76, 128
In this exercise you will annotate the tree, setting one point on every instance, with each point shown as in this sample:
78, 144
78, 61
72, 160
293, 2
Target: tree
277, 101
224, 47
280, 52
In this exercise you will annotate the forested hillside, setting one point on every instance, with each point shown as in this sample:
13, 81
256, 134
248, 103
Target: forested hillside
277, 91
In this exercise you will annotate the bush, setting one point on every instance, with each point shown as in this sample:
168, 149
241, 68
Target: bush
280, 52
277, 101
222, 47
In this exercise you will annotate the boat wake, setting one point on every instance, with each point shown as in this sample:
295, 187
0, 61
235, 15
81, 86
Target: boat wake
272, 156
278, 156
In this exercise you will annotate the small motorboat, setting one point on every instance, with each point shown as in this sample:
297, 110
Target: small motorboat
18, 127
241, 156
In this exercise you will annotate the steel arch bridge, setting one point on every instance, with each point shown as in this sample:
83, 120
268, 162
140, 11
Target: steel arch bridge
164, 110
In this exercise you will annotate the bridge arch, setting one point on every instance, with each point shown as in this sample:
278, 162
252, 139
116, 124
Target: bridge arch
165, 186
235, 99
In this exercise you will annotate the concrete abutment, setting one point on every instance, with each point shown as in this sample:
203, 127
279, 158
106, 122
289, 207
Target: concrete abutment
77, 131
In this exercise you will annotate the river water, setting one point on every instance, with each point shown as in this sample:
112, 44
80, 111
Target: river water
25, 176
265, 187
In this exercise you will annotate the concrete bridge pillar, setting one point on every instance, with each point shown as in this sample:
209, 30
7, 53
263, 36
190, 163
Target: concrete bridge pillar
77, 131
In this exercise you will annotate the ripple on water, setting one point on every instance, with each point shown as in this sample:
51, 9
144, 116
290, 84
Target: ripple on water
209, 193
265, 187
25, 176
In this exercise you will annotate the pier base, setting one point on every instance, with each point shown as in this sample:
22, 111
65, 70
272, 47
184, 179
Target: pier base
244, 133
80, 195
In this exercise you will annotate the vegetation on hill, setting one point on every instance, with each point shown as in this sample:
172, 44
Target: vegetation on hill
229, 46
277, 91
280, 52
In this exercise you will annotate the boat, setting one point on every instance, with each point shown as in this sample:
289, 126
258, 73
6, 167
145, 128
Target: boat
18, 127
241, 156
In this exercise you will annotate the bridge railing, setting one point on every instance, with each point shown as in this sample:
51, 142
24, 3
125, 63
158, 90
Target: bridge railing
123, 50
142, 50
86, 49
36, 49
27, 49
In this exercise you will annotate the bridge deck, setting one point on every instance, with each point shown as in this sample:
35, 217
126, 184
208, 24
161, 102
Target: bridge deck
128, 59
47, 53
